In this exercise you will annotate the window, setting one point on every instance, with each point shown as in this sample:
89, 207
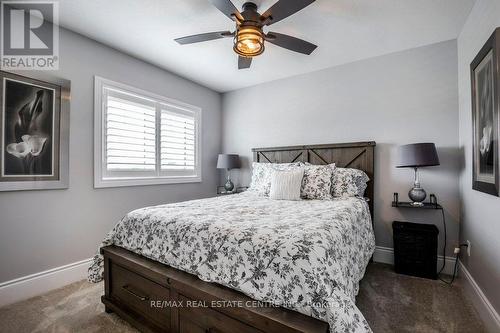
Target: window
143, 139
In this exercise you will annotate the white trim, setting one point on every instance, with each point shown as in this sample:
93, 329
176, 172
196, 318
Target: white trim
121, 182
101, 179
39, 283
491, 318
385, 255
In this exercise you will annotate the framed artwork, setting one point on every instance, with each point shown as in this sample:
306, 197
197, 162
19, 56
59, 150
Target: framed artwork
34, 130
485, 116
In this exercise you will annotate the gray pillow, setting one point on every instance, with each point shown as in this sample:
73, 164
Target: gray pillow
348, 182
317, 182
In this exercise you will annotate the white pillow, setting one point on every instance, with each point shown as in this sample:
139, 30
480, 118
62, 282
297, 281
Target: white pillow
262, 172
285, 185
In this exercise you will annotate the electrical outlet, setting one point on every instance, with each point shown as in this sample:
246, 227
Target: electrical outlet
468, 248
457, 250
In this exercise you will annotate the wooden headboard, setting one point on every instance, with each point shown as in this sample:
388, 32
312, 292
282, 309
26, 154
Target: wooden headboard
358, 155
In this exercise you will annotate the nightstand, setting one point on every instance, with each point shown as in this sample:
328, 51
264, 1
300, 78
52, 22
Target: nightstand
222, 191
415, 249
415, 244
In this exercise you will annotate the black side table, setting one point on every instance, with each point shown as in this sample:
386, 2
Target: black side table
222, 191
415, 244
415, 249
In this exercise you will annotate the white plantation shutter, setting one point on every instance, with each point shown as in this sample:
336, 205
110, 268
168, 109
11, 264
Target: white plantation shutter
130, 136
142, 138
178, 148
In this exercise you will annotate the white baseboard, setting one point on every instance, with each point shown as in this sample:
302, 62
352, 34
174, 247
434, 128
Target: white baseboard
39, 283
386, 255
490, 317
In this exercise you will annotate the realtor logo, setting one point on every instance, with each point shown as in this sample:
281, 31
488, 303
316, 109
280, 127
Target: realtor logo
29, 35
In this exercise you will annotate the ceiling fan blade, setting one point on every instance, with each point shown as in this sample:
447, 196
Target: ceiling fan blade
204, 37
244, 62
227, 8
282, 9
290, 43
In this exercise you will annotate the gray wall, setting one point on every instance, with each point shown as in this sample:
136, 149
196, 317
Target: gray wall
40, 230
400, 98
480, 212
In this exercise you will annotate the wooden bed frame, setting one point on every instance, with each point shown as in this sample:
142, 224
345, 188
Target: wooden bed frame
157, 298
357, 155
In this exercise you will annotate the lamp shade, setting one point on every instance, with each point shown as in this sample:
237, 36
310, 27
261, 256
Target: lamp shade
228, 161
417, 155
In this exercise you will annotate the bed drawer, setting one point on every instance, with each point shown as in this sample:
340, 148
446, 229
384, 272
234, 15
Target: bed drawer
148, 281
139, 293
206, 320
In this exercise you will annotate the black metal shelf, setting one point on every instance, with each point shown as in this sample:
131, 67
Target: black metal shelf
221, 190
427, 205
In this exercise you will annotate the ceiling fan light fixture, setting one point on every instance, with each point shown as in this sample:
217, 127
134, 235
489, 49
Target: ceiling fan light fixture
249, 38
248, 41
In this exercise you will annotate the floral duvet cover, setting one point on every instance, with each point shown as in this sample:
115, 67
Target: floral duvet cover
307, 256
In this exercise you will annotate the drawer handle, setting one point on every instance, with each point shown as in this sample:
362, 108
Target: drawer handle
127, 289
211, 330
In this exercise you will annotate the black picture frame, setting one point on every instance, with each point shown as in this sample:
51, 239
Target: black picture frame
34, 131
485, 75
30, 111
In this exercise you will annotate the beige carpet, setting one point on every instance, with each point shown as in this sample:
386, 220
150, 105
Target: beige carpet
390, 303
398, 303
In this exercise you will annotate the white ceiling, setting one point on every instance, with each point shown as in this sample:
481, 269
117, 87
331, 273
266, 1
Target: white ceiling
344, 30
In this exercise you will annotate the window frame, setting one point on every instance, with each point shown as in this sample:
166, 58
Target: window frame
103, 178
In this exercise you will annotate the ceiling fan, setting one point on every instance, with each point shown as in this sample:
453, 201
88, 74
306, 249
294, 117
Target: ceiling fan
249, 37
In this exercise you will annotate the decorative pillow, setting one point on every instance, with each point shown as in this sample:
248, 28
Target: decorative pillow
317, 182
347, 182
285, 185
262, 172
260, 178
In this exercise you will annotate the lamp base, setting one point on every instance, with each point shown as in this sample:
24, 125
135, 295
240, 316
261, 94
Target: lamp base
229, 186
417, 195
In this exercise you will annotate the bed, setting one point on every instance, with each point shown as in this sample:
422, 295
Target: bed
244, 263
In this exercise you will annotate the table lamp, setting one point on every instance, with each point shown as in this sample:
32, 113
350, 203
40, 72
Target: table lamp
228, 162
417, 155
